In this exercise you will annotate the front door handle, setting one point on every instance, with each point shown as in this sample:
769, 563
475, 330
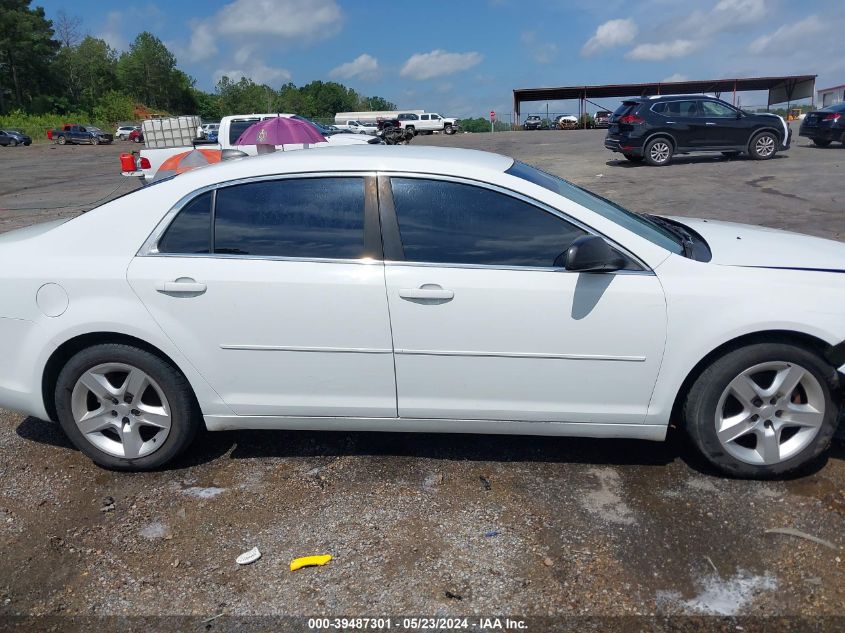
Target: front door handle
183, 285
427, 291
709, 123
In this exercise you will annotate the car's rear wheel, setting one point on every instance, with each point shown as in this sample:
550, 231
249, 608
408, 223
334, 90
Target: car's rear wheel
763, 146
411, 129
13, 143
658, 151
820, 142
125, 408
633, 158
61, 140
763, 411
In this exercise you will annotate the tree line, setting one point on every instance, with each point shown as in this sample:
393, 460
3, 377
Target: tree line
50, 68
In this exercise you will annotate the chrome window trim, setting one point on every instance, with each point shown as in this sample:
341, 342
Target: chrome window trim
528, 200
150, 246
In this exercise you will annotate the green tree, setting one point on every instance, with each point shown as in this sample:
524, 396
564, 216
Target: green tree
376, 103
147, 71
243, 96
87, 71
27, 48
115, 107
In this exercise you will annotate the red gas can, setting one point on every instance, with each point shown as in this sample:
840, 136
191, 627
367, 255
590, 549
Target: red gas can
127, 162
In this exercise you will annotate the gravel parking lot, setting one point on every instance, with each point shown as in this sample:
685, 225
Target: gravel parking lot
427, 524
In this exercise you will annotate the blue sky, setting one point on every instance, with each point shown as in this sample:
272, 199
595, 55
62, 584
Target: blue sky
463, 58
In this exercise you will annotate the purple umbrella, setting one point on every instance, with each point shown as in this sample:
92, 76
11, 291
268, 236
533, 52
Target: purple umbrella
280, 131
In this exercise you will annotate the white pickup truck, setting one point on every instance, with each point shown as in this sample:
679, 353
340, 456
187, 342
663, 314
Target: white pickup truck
427, 123
231, 127
356, 127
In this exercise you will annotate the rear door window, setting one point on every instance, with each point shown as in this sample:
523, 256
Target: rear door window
299, 217
190, 231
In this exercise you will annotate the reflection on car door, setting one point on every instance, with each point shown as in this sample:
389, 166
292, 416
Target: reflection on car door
486, 324
722, 127
683, 121
283, 311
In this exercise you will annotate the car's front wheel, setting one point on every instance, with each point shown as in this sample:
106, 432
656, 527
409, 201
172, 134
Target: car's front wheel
125, 408
658, 152
763, 411
820, 142
763, 146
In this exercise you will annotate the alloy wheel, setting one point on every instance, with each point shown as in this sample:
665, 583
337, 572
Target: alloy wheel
770, 413
121, 410
765, 146
660, 152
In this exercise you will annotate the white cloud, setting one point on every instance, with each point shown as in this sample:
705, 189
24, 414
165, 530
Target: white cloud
112, 32
610, 34
542, 52
675, 77
663, 50
362, 67
260, 73
203, 43
438, 63
726, 15
278, 22
786, 36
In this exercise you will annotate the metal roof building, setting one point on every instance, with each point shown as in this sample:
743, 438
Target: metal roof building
781, 90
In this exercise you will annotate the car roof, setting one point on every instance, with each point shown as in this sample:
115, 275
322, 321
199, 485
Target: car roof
425, 159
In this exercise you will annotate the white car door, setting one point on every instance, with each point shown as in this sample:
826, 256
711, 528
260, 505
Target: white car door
286, 314
487, 325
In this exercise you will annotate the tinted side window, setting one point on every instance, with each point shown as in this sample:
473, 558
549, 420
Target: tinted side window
190, 231
660, 108
715, 109
682, 108
308, 217
238, 127
446, 222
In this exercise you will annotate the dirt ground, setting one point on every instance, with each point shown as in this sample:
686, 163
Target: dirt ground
428, 525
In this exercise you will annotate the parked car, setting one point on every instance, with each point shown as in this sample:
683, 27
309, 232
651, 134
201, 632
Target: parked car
825, 126
124, 131
11, 138
601, 119
136, 135
490, 298
533, 122
566, 122
206, 128
79, 134
427, 123
386, 123
357, 127
655, 129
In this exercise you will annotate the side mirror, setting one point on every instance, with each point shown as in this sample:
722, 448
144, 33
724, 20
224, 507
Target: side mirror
592, 254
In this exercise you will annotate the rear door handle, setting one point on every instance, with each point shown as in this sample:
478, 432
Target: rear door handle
427, 291
183, 285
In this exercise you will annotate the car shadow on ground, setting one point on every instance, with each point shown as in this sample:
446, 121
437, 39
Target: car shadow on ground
209, 447
680, 160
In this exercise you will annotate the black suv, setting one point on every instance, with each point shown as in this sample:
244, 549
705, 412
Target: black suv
654, 129
825, 126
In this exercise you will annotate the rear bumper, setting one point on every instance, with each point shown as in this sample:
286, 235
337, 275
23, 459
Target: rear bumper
822, 133
623, 145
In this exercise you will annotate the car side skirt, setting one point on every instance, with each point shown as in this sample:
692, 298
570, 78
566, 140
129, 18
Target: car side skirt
654, 432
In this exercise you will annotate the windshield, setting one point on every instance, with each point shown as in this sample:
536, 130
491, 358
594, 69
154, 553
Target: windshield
634, 222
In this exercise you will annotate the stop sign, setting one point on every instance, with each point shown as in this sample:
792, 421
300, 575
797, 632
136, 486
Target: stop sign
492, 115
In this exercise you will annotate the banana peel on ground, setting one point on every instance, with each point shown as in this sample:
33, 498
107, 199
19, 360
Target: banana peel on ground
309, 561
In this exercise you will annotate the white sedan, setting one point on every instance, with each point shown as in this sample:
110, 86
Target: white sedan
417, 289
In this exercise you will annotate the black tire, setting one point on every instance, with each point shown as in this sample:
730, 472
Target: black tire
633, 158
820, 142
411, 129
658, 151
449, 129
61, 140
766, 139
13, 143
702, 403
137, 139
95, 140
183, 409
